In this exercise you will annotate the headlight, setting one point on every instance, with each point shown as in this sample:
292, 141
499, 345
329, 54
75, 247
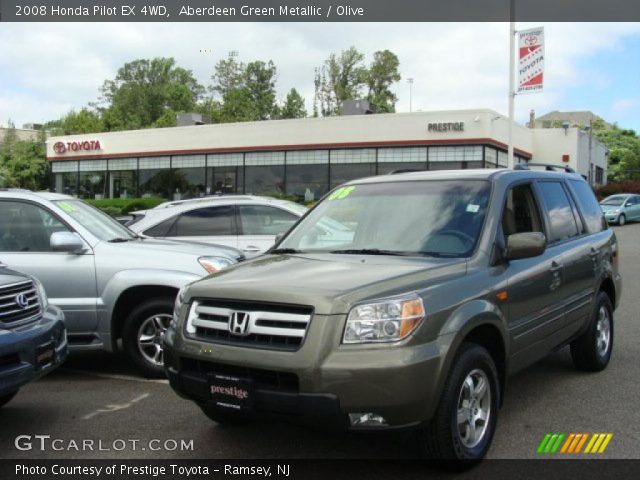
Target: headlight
214, 264
42, 294
176, 306
386, 320
617, 210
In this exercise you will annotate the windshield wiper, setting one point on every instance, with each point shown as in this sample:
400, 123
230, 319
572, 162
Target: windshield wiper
121, 240
285, 251
372, 251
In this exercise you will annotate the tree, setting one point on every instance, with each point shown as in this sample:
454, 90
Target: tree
22, 162
344, 77
624, 151
83, 121
293, 106
383, 73
260, 82
144, 90
228, 74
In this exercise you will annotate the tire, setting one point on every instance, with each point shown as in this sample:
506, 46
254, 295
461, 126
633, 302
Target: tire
4, 399
143, 333
622, 220
591, 352
447, 439
223, 418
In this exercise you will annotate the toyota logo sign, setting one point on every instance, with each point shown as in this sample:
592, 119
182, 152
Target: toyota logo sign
59, 147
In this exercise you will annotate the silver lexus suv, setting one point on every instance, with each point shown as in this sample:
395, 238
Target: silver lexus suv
115, 288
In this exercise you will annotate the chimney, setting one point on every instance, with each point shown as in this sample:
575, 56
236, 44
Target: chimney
532, 119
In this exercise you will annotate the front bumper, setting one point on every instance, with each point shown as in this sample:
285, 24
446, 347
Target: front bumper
612, 217
18, 364
318, 384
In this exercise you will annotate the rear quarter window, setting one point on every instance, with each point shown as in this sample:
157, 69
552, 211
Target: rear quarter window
588, 205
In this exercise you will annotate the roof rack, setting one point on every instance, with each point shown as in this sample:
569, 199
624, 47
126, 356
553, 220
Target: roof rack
547, 166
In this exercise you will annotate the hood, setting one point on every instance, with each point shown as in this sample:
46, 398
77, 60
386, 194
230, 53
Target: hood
610, 208
150, 245
328, 282
7, 277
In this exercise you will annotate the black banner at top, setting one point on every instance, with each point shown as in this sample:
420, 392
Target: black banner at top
319, 10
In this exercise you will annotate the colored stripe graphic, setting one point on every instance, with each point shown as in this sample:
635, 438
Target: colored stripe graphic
573, 443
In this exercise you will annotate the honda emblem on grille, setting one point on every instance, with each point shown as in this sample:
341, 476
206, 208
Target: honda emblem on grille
239, 324
22, 301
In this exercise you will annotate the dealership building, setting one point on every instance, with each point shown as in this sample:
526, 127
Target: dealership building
304, 157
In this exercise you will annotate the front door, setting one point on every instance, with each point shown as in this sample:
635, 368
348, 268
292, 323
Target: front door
69, 279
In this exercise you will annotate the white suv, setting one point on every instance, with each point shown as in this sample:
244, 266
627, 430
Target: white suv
246, 222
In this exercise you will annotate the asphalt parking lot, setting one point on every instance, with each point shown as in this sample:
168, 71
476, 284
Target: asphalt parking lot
98, 397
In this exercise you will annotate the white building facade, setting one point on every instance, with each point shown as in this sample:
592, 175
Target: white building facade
303, 157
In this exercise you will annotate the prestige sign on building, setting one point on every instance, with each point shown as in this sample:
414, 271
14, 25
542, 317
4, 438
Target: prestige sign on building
530, 60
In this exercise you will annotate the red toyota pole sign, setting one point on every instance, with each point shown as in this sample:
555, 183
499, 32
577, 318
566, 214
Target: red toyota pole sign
530, 60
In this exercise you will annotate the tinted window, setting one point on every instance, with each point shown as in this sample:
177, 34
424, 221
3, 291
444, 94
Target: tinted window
520, 212
563, 223
162, 229
261, 220
26, 228
205, 222
588, 205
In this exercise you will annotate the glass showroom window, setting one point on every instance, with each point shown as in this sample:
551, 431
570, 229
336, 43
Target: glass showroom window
122, 181
65, 177
308, 174
264, 172
351, 164
92, 180
392, 159
154, 177
188, 177
225, 173
490, 157
455, 158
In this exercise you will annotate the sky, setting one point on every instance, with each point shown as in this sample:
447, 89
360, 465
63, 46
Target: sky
48, 69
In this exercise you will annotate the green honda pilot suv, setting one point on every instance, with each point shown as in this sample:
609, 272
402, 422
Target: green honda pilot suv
404, 301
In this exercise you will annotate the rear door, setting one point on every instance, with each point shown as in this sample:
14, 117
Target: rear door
259, 225
68, 278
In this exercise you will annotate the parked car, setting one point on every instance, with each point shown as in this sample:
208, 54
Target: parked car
621, 208
246, 222
32, 335
111, 284
448, 283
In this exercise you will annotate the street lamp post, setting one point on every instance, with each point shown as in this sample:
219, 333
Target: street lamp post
410, 82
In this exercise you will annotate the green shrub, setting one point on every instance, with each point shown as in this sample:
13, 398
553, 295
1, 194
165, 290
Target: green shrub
123, 206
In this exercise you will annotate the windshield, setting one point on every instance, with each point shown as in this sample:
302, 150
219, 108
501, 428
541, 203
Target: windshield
614, 201
98, 223
430, 218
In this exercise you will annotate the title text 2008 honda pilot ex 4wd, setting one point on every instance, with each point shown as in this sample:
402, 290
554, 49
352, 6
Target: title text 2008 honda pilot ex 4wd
404, 301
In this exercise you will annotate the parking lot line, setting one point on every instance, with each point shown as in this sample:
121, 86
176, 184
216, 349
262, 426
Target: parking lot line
114, 407
111, 376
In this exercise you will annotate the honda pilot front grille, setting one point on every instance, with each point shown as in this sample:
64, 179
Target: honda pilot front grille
269, 326
19, 303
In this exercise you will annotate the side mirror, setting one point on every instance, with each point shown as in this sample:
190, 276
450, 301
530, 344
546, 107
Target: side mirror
66, 242
525, 245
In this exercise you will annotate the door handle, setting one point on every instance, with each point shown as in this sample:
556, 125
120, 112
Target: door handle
251, 249
555, 267
594, 253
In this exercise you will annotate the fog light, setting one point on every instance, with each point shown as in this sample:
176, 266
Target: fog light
367, 420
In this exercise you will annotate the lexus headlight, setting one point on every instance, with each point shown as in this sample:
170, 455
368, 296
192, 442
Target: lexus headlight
214, 264
44, 301
386, 320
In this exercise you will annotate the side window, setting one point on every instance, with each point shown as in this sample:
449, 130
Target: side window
521, 213
562, 222
588, 205
203, 222
632, 201
162, 229
261, 220
25, 227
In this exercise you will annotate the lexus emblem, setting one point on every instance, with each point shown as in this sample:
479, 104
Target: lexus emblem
239, 324
22, 301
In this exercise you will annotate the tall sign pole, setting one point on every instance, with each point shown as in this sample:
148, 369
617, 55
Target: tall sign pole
512, 89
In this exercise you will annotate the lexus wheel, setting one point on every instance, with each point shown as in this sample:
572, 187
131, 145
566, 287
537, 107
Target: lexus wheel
464, 423
143, 335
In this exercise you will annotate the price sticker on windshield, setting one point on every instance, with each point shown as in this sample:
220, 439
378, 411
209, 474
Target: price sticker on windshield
67, 207
341, 193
